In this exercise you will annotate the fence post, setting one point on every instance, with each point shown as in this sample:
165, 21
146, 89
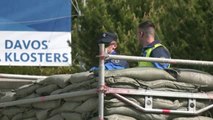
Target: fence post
101, 82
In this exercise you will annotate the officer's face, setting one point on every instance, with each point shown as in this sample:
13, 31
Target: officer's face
140, 36
111, 47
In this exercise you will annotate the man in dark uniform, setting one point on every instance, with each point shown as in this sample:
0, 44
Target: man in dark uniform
150, 46
110, 41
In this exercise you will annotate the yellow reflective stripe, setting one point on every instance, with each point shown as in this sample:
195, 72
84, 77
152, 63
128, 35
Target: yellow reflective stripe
148, 53
145, 64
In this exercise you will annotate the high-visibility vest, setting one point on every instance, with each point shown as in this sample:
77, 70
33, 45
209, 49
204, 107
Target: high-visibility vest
148, 53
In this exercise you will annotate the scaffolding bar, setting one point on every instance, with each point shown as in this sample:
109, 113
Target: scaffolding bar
153, 93
31, 77
162, 60
47, 98
101, 82
169, 94
163, 111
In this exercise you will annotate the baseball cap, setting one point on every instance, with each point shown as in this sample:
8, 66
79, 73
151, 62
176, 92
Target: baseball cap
108, 37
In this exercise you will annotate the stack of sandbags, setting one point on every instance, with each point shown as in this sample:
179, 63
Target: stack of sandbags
86, 107
74, 108
177, 80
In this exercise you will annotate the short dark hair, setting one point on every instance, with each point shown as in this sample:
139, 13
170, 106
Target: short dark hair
147, 27
146, 24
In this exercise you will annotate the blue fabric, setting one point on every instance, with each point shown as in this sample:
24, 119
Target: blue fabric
113, 64
93, 69
35, 15
159, 52
161, 65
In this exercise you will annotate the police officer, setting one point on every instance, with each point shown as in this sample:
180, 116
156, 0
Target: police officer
150, 46
110, 41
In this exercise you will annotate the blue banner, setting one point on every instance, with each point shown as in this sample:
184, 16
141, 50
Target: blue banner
35, 15
35, 32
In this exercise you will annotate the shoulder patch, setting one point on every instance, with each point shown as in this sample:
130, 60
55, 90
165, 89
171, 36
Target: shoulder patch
115, 61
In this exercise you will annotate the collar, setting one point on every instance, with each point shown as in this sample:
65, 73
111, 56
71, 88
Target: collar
113, 52
151, 45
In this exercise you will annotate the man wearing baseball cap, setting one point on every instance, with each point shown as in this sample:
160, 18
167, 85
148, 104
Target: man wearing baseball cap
110, 41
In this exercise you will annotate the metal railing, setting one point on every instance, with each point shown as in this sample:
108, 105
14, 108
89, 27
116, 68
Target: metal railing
150, 93
102, 89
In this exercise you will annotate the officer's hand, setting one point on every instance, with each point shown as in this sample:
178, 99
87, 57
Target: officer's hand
93, 69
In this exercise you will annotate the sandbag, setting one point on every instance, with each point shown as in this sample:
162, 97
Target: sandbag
76, 86
33, 95
80, 77
94, 118
56, 117
175, 90
88, 105
118, 117
79, 98
203, 79
71, 116
47, 104
122, 81
193, 118
26, 90
114, 102
167, 84
11, 111
29, 113
8, 96
58, 91
1, 114
165, 103
139, 100
17, 116
66, 107
95, 84
202, 103
33, 118
5, 118
146, 73
124, 86
46, 90
24, 105
2, 94
132, 112
161, 103
60, 80
42, 114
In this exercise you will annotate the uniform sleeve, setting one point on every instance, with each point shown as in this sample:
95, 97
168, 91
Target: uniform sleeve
116, 65
93, 69
122, 63
161, 65
160, 52
113, 65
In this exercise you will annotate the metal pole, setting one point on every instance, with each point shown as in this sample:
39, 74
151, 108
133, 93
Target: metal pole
33, 77
162, 60
164, 111
101, 81
155, 93
47, 98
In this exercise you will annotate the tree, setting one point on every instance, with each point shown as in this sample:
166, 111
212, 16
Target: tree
185, 27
